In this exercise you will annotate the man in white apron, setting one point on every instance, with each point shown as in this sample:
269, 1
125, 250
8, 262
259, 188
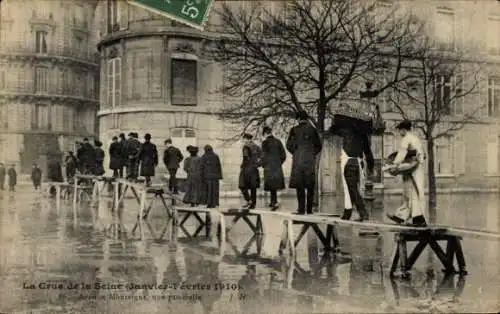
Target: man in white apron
409, 162
355, 145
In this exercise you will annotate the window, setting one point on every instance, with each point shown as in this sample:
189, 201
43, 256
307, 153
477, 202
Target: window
445, 29
2, 80
493, 156
181, 138
184, 82
41, 80
79, 48
494, 97
113, 15
493, 37
65, 81
114, 82
4, 120
144, 74
41, 41
458, 96
79, 18
40, 117
442, 92
459, 155
386, 97
80, 84
443, 162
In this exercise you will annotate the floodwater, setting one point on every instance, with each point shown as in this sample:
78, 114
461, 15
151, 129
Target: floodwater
87, 261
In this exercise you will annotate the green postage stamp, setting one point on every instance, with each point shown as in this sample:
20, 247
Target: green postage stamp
191, 12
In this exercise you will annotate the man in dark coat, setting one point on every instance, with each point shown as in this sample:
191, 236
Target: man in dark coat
211, 174
249, 179
115, 157
36, 176
2, 175
148, 157
98, 168
123, 154
172, 158
80, 157
132, 149
273, 157
87, 157
12, 177
304, 144
71, 163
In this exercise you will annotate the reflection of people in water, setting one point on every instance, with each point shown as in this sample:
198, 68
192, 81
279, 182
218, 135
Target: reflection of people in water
202, 271
366, 266
250, 288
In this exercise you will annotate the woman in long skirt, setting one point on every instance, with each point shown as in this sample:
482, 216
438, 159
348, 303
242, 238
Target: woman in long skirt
192, 166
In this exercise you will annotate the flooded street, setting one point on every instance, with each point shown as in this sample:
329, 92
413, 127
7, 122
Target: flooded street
53, 261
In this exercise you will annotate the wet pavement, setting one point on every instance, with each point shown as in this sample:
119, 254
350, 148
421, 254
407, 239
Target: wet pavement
56, 261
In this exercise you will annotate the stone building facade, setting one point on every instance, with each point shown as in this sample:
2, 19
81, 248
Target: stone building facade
49, 79
156, 78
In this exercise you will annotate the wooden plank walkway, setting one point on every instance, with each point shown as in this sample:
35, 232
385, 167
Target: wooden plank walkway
423, 236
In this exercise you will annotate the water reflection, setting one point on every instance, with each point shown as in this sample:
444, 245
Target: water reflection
40, 244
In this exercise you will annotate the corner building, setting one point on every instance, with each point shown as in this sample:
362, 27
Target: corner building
156, 78
49, 79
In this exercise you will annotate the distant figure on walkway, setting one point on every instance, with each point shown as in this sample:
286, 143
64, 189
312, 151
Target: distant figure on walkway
249, 178
2, 175
98, 159
192, 166
304, 144
273, 157
86, 157
211, 174
133, 147
36, 176
409, 162
54, 171
71, 163
12, 177
123, 154
115, 157
172, 158
148, 157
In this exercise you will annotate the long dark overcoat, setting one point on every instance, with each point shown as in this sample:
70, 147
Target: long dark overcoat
273, 157
115, 156
249, 171
172, 157
12, 177
36, 176
304, 144
211, 173
99, 162
148, 157
2, 175
54, 171
192, 166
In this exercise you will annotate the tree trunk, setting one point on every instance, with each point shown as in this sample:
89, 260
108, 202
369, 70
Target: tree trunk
431, 177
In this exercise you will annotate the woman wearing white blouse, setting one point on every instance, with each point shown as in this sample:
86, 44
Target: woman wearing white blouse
413, 178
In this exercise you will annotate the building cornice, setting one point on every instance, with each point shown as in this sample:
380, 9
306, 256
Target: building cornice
66, 133
172, 109
177, 32
53, 98
55, 59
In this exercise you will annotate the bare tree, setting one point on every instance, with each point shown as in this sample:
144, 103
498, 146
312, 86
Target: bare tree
438, 80
306, 55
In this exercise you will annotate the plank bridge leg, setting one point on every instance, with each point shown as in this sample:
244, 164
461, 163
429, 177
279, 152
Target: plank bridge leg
403, 259
459, 253
303, 231
442, 256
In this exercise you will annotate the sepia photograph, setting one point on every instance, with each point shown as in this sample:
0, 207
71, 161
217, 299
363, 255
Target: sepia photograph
279, 156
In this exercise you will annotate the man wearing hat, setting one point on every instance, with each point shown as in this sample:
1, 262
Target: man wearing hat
148, 157
132, 149
172, 158
409, 162
115, 157
304, 144
273, 157
249, 178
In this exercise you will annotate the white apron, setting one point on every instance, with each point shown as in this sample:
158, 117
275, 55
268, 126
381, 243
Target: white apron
414, 203
343, 161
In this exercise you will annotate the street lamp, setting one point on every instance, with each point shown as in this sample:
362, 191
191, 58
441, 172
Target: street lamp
376, 137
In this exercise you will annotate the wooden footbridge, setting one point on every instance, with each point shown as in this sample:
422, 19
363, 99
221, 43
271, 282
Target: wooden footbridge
324, 226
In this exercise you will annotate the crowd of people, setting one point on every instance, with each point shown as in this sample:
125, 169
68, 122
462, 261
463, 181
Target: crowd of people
131, 158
